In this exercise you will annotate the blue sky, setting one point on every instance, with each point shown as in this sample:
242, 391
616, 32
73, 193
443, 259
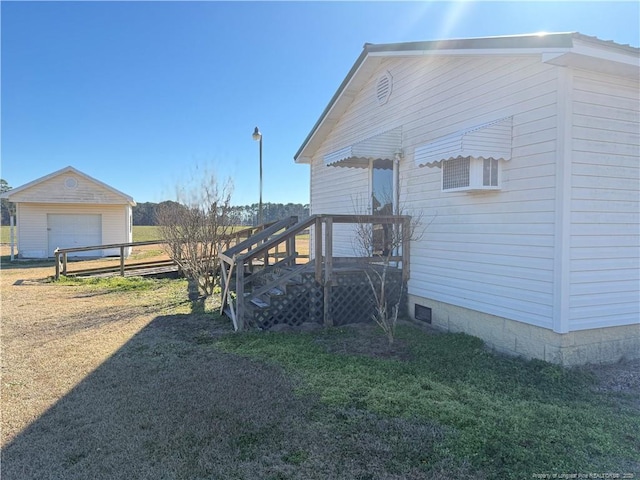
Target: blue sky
141, 94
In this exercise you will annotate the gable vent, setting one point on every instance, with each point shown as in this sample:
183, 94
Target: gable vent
383, 88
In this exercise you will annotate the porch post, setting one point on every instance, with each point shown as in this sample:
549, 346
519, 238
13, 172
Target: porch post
318, 249
328, 273
240, 294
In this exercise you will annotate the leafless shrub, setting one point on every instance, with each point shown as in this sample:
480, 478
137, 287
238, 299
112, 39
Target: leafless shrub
194, 229
384, 242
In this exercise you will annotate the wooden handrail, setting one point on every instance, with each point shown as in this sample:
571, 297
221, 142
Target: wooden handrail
249, 231
260, 237
108, 246
288, 234
237, 258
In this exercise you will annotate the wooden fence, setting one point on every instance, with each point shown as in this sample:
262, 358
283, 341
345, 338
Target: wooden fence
62, 257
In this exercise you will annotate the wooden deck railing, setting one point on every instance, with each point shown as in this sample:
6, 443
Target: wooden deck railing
241, 257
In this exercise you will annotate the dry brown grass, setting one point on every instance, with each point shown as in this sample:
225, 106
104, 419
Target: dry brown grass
53, 336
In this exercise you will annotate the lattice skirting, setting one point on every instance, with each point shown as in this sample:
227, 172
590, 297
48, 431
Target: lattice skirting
352, 300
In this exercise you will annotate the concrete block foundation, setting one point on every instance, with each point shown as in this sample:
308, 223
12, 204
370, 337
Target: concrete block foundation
598, 346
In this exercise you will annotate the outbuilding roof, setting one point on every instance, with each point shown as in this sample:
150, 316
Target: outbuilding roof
14, 191
563, 49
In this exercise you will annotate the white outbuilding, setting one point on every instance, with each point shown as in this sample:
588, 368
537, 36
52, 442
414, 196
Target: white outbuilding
67, 209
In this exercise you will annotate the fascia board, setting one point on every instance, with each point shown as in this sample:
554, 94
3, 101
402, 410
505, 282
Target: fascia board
606, 54
470, 52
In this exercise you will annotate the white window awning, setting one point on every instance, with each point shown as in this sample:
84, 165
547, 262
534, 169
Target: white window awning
489, 140
384, 146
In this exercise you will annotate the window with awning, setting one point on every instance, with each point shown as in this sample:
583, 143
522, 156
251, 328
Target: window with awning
470, 159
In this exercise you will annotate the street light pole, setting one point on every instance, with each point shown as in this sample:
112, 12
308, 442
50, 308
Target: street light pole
258, 137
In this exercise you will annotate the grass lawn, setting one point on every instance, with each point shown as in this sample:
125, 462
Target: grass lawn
143, 233
182, 397
503, 417
5, 233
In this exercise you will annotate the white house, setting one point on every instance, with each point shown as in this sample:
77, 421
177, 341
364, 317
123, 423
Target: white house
522, 155
67, 209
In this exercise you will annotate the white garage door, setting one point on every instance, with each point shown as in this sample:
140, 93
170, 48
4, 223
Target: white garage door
69, 231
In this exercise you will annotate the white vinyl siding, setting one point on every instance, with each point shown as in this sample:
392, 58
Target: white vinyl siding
32, 225
491, 252
605, 219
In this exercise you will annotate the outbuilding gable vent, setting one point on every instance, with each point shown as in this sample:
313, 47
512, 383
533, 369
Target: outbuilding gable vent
70, 183
383, 88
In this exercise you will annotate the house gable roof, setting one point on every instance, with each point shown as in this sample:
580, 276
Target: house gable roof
562, 49
14, 194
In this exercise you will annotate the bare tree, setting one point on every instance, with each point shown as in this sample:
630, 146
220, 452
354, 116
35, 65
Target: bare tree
384, 242
195, 228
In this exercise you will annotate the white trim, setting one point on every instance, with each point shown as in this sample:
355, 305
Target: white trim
562, 262
396, 186
370, 195
536, 51
600, 53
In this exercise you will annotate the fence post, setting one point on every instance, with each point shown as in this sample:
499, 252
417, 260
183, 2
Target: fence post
12, 223
57, 254
121, 261
64, 263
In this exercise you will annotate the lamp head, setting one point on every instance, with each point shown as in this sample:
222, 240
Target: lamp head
257, 135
